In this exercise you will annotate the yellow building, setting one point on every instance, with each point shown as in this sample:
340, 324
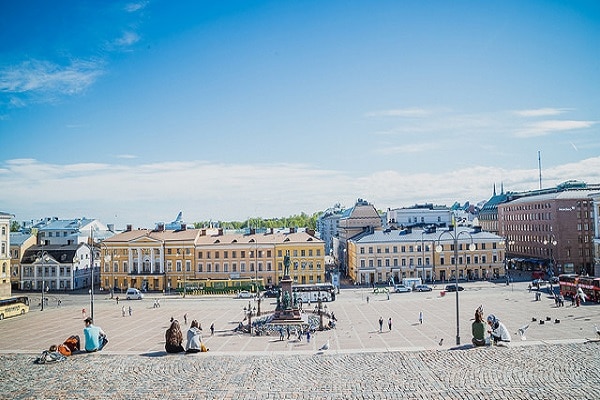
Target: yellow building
5, 289
165, 260
379, 256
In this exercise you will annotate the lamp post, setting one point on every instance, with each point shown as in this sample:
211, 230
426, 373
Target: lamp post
184, 270
91, 291
507, 244
454, 234
108, 260
43, 257
422, 257
551, 240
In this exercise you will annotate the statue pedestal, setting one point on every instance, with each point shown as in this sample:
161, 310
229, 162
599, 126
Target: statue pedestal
290, 313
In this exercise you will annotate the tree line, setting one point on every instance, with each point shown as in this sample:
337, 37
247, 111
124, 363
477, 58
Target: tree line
301, 220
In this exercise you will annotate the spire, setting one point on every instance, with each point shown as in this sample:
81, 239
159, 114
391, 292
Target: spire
501, 187
494, 188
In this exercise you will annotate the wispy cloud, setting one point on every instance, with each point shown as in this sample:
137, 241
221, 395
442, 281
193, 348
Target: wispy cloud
408, 148
133, 7
127, 39
126, 156
543, 128
42, 81
541, 112
401, 112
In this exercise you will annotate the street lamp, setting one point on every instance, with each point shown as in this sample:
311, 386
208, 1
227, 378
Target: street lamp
455, 235
91, 291
422, 257
184, 270
108, 260
42, 256
551, 240
507, 244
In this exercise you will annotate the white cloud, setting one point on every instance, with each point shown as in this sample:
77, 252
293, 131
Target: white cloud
402, 112
541, 112
146, 193
42, 81
543, 128
127, 39
133, 7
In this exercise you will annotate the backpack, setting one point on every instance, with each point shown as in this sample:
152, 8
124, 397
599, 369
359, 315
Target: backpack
72, 343
64, 350
49, 357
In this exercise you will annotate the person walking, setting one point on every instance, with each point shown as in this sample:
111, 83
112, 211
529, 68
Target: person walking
130, 311
380, 324
390, 323
212, 329
123, 310
420, 317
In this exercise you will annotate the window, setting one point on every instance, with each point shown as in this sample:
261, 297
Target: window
199, 267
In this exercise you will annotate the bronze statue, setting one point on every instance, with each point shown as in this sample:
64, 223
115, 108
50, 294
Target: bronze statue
286, 264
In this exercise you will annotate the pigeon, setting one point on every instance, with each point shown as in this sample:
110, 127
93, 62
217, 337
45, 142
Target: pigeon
441, 341
325, 346
521, 331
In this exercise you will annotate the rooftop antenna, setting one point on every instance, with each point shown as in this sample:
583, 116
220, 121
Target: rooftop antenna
540, 167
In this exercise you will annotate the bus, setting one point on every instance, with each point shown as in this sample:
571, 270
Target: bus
569, 283
314, 292
13, 306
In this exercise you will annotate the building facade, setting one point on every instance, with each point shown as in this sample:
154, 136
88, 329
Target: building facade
551, 231
19, 242
5, 288
163, 260
378, 256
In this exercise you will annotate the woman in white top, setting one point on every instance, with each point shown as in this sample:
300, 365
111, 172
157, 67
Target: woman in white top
194, 338
498, 330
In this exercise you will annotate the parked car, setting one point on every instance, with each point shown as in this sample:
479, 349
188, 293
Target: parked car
270, 293
452, 288
402, 289
422, 288
133, 294
244, 294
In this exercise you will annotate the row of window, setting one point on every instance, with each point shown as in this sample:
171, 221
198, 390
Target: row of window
410, 262
420, 249
216, 254
212, 267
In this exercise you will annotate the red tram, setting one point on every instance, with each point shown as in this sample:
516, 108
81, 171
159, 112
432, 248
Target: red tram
569, 283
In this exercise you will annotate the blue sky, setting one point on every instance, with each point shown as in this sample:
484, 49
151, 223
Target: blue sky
132, 111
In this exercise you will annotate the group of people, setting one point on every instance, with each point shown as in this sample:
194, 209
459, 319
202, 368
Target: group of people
498, 334
94, 337
174, 338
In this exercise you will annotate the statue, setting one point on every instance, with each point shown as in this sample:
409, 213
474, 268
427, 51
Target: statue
286, 300
286, 264
295, 299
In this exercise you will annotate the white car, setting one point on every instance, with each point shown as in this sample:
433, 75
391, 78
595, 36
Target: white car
244, 294
402, 289
133, 294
